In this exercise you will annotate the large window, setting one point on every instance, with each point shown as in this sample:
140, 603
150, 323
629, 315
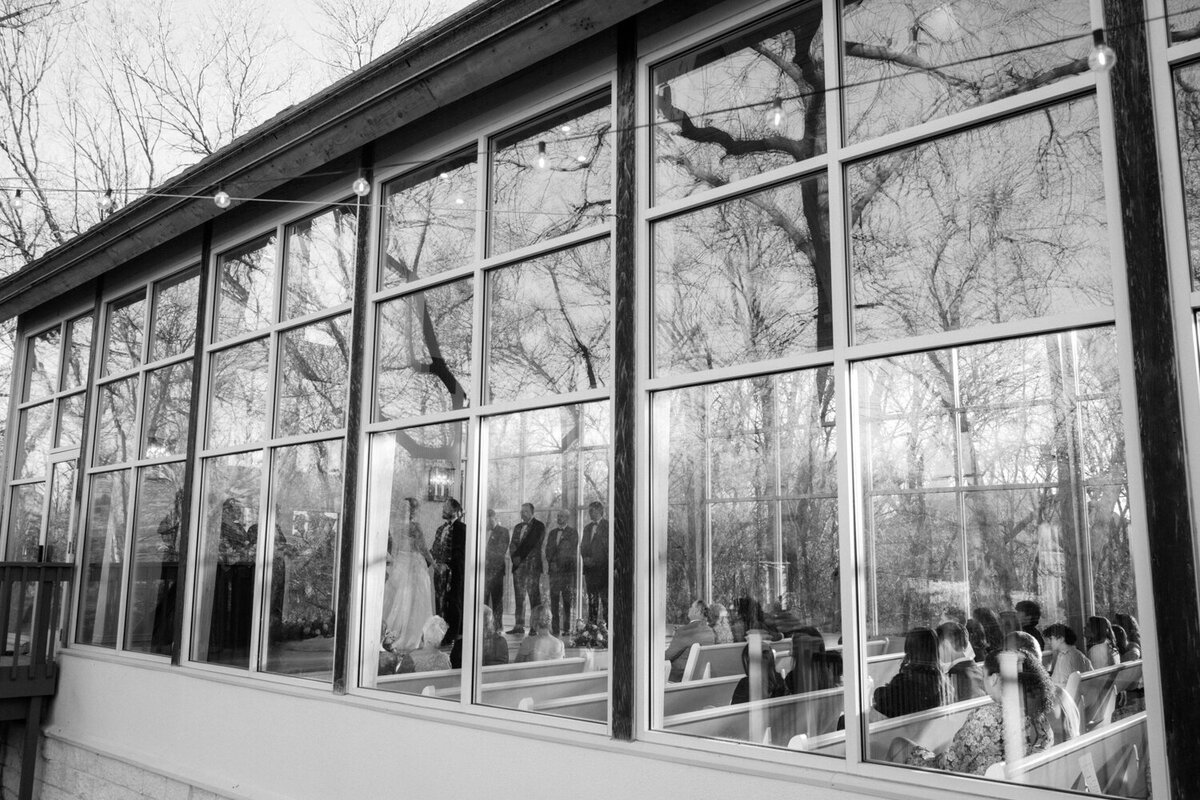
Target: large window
134, 508
272, 450
528, 484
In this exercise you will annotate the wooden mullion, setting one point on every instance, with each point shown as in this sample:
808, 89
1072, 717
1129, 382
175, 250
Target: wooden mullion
1156, 385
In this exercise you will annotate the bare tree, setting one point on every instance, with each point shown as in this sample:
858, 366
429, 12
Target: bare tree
355, 32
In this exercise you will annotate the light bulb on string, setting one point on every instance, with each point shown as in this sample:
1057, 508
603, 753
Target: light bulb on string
222, 198
106, 200
775, 115
541, 157
18, 202
361, 186
1102, 58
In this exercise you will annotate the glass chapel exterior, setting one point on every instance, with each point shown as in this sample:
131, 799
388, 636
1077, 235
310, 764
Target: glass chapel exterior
867, 323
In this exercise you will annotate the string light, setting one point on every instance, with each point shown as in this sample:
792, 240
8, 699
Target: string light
775, 113
18, 202
1102, 58
361, 186
541, 159
222, 198
106, 200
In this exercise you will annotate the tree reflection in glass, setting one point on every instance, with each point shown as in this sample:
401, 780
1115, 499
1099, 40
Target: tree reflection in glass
548, 325
744, 489
313, 367
154, 587
306, 497
909, 62
740, 107
168, 403
123, 339
1187, 114
415, 574
1183, 21
429, 222
79, 349
552, 177
174, 327
25, 521
69, 428
34, 440
319, 262
744, 280
103, 559
236, 412
423, 363
245, 284
979, 494
992, 225
225, 556
42, 364
58, 520
116, 423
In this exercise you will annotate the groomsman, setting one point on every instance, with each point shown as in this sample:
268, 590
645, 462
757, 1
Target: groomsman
493, 566
594, 553
525, 551
562, 546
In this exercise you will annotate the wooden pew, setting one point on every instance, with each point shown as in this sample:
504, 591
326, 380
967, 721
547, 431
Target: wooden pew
680, 698
509, 694
446, 682
932, 728
588, 706
1095, 692
1117, 751
419, 682
811, 713
882, 668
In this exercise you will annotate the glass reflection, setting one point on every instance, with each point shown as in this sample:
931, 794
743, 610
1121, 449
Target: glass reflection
245, 283
553, 177
984, 527
313, 369
103, 559
79, 350
175, 307
58, 522
992, 225
741, 106
168, 403
416, 544
25, 521
237, 408
1183, 21
225, 560
909, 62
1187, 116
34, 440
123, 338
429, 225
424, 357
745, 512
745, 280
154, 587
41, 366
545, 549
306, 492
69, 430
548, 325
116, 433
319, 262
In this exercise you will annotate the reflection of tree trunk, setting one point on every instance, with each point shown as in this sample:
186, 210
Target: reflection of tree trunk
1067, 498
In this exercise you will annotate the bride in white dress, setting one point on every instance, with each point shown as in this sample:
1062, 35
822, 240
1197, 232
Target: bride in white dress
408, 594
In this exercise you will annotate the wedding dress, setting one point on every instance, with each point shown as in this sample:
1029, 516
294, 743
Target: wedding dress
409, 590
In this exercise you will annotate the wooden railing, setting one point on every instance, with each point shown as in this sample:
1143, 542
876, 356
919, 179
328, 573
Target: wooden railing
33, 614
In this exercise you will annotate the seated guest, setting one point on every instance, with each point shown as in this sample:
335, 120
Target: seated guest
1128, 650
1009, 622
1132, 632
1029, 614
428, 657
977, 639
542, 645
1064, 713
718, 618
979, 743
1067, 657
813, 669
495, 646
919, 684
785, 617
993, 632
963, 672
749, 618
771, 685
695, 632
1101, 644
954, 614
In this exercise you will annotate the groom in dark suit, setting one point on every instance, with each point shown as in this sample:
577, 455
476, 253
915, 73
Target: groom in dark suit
525, 550
593, 552
449, 553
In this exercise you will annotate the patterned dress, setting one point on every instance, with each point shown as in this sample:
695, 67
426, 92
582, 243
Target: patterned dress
979, 743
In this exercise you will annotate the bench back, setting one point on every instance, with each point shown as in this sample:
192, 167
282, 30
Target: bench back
811, 713
933, 728
589, 706
509, 694
1095, 692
